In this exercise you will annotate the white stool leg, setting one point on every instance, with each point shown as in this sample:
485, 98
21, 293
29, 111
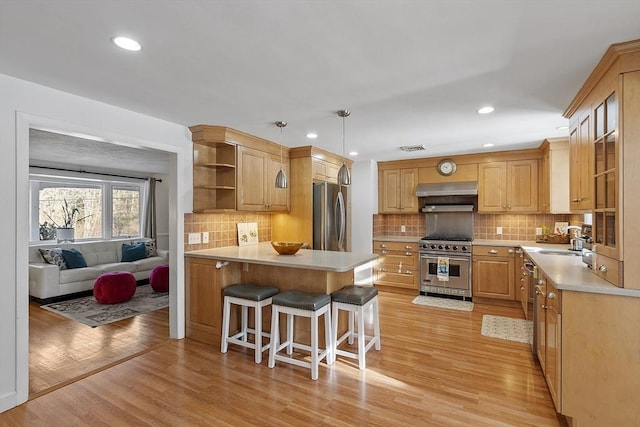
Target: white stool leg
258, 332
275, 335
334, 332
376, 324
245, 322
225, 325
314, 346
328, 337
350, 339
290, 336
361, 339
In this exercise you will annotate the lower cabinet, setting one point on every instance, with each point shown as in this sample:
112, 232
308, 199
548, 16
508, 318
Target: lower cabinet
493, 273
203, 292
397, 268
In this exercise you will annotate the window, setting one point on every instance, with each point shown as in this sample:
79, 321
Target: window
95, 207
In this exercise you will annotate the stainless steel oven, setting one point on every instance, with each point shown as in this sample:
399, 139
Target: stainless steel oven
457, 280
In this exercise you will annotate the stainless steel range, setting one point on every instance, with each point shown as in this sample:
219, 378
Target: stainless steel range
445, 252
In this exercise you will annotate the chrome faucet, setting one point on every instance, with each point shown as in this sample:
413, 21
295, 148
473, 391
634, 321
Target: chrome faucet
574, 227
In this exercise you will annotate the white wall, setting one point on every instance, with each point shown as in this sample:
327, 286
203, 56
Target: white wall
364, 203
24, 104
162, 214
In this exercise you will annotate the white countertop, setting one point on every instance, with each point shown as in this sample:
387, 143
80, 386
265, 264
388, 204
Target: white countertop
263, 253
569, 273
403, 239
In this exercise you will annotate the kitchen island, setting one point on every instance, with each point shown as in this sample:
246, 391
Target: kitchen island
209, 271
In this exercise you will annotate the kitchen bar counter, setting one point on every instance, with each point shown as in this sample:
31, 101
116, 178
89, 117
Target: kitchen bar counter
264, 254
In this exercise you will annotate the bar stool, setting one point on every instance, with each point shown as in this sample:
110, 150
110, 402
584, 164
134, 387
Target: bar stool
298, 303
356, 299
246, 295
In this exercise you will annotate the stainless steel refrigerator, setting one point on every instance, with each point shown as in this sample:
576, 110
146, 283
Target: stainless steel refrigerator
331, 228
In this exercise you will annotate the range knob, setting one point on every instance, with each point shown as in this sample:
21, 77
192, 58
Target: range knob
424, 246
455, 248
464, 248
433, 246
440, 247
447, 247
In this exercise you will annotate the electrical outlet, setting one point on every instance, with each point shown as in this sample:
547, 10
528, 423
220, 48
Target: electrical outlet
538, 231
403, 229
498, 230
205, 237
194, 238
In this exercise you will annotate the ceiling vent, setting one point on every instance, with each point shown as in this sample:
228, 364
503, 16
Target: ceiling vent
412, 148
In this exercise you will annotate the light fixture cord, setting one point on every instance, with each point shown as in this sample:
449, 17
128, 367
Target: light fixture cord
281, 142
344, 151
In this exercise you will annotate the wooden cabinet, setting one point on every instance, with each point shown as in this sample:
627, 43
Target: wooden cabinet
325, 171
610, 162
203, 298
257, 172
541, 319
553, 344
508, 186
214, 170
397, 268
494, 272
397, 191
553, 193
580, 165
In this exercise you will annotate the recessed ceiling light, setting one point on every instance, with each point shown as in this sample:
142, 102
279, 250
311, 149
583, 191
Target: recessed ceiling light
486, 110
487, 145
312, 135
562, 127
127, 43
353, 153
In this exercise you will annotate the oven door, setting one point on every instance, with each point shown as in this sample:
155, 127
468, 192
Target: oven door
459, 282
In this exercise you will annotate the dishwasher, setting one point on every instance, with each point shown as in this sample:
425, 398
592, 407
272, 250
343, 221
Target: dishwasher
531, 276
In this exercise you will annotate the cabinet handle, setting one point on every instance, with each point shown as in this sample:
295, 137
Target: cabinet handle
576, 200
408, 253
493, 251
551, 295
603, 268
408, 247
521, 287
545, 306
522, 279
511, 251
383, 245
383, 252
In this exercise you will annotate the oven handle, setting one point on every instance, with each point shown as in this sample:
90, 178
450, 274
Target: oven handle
425, 256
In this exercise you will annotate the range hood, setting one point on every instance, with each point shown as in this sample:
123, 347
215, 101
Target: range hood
464, 188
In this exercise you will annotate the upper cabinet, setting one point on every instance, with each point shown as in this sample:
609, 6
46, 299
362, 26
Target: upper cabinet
553, 193
325, 171
581, 164
233, 170
611, 157
214, 170
257, 172
397, 191
510, 186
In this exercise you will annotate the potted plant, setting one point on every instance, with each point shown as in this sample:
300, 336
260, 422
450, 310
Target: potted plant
65, 231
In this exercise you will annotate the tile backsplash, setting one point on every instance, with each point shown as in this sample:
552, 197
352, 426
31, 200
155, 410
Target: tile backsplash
222, 228
514, 226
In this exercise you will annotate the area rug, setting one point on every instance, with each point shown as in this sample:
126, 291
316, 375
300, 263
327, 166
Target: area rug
507, 328
451, 304
88, 311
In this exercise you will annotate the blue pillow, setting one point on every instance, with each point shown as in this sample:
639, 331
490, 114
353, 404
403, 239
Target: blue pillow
133, 252
73, 258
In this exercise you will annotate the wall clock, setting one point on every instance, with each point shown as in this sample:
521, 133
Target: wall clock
446, 167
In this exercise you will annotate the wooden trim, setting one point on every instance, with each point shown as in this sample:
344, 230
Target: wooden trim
622, 56
217, 134
318, 153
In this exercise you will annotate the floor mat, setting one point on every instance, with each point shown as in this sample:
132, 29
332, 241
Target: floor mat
451, 304
507, 328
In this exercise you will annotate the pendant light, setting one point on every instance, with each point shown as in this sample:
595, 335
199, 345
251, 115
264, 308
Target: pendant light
344, 176
281, 177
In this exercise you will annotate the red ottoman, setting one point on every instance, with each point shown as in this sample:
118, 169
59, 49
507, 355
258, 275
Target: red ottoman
114, 287
159, 278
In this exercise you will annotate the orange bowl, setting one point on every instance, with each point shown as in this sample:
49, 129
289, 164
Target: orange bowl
286, 248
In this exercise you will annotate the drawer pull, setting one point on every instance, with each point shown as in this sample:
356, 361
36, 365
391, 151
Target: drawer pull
383, 252
511, 251
493, 251
408, 247
408, 253
603, 268
551, 295
383, 245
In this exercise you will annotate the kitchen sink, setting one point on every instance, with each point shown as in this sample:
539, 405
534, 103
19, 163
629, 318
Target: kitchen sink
559, 252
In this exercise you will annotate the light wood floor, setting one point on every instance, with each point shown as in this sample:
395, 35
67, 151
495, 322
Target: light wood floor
62, 350
434, 369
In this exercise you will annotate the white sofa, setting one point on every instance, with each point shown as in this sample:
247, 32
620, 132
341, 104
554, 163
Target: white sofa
49, 281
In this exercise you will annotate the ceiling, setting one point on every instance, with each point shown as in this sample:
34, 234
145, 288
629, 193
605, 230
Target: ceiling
411, 72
